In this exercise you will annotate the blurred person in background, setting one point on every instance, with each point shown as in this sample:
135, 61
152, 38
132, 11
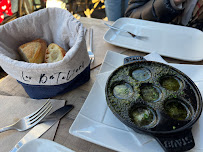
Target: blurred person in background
115, 9
180, 12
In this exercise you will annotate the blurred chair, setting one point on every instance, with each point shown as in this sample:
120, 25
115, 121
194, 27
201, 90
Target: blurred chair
23, 7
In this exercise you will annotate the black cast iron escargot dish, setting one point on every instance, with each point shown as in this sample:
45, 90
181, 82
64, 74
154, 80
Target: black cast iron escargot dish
155, 99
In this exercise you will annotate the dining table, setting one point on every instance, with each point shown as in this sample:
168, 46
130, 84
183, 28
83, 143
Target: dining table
10, 87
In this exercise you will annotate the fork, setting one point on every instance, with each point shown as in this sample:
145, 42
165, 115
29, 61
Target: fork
89, 45
122, 30
30, 120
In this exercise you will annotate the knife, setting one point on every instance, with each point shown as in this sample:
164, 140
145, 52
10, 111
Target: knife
45, 125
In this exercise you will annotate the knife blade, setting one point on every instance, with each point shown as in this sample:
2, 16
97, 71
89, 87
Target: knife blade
44, 126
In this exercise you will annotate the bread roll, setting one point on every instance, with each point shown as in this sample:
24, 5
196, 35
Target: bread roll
54, 53
34, 51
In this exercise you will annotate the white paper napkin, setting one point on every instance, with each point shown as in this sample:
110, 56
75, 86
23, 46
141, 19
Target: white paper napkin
195, 72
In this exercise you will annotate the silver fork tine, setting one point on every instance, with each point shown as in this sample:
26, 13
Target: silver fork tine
40, 113
90, 46
91, 38
38, 119
30, 120
122, 30
34, 113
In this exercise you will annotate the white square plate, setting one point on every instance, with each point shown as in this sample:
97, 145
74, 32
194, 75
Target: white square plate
169, 40
96, 123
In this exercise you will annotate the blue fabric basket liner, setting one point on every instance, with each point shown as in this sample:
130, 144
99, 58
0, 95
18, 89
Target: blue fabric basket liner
48, 91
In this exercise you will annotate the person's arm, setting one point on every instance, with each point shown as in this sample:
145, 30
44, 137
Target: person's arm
153, 10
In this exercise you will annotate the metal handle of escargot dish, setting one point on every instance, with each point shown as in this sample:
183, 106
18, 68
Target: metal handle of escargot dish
131, 59
179, 142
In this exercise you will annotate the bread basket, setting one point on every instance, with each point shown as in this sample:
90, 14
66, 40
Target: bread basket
46, 80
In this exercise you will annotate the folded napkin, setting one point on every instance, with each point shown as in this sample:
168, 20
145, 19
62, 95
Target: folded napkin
114, 60
13, 108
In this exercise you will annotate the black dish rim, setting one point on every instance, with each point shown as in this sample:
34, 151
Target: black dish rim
150, 132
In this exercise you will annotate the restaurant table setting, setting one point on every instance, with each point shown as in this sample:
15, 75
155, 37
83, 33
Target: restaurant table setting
13, 108
40, 81
106, 130
91, 125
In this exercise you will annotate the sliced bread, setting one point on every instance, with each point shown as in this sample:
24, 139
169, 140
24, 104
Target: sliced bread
54, 53
34, 51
